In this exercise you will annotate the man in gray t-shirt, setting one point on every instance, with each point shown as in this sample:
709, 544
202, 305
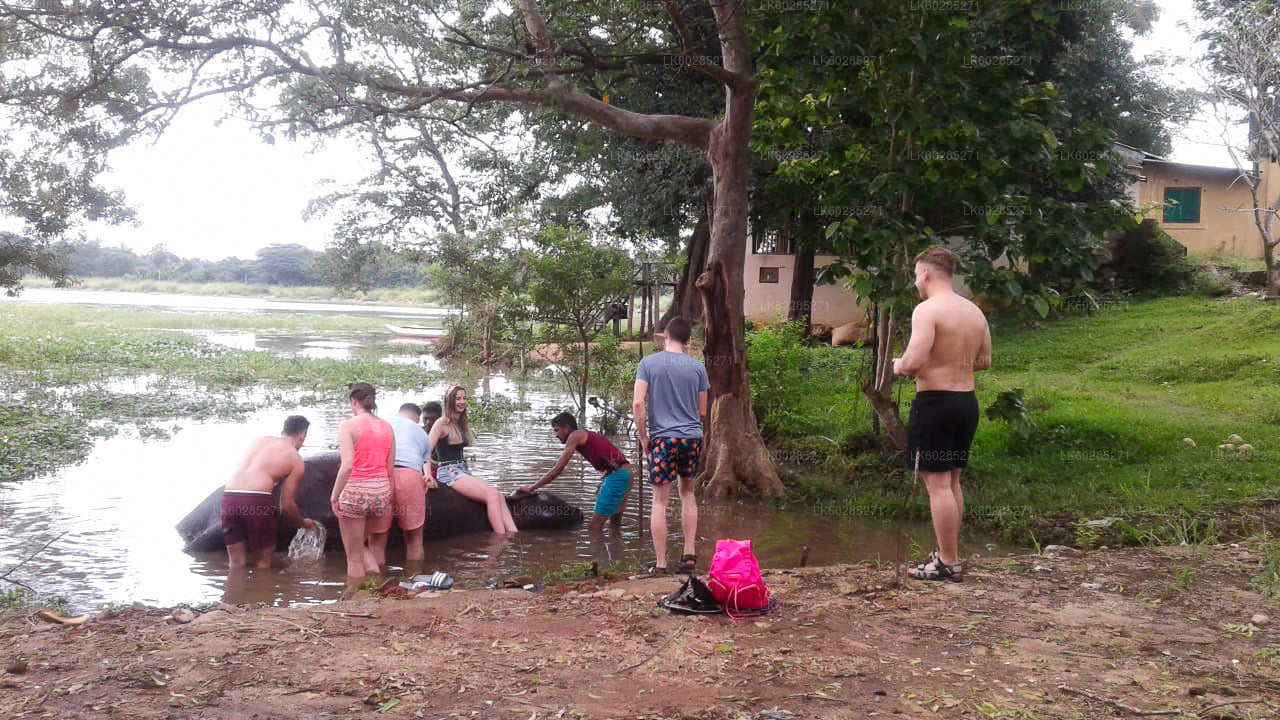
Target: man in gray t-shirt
670, 403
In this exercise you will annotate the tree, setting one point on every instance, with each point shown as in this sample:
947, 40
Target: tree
337, 65
1242, 66
962, 147
19, 254
484, 274
290, 264
161, 263
572, 282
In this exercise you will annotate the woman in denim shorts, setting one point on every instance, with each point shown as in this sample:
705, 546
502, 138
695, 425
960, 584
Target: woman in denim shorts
449, 435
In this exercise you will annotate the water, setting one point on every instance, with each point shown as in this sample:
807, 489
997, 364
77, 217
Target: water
111, 517
220, 303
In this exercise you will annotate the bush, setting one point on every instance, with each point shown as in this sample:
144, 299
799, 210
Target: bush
802, 391
1146, 259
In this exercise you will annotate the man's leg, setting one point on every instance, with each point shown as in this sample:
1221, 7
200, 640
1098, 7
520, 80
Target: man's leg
689, 515
238, 554
946, 517
955, 490
658, 522
262, 556
597, 522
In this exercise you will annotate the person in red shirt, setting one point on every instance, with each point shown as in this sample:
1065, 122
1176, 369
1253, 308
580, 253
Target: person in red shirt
362, 491
603, 455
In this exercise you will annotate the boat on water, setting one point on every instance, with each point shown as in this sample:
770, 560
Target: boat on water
416, 332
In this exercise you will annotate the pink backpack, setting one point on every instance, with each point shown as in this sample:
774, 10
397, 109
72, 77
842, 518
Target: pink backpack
735, 580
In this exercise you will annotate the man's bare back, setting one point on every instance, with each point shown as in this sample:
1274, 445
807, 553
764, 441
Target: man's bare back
950, 339
268, 462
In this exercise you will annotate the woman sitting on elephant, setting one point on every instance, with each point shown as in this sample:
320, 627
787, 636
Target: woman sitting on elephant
450, 434
361, 495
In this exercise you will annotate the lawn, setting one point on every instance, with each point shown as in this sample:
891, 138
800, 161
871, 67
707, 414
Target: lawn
1111, 395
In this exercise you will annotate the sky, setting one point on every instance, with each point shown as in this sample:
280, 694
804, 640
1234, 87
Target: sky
210, 191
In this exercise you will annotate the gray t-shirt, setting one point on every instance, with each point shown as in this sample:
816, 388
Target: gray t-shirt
412, 446
675, 379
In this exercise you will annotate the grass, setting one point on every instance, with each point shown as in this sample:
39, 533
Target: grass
70, 375
1112, 396
1234, 262
401, 296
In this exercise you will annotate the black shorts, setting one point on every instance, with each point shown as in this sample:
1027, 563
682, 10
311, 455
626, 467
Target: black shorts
940, 429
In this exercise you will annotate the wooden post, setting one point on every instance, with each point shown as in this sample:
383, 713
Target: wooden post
631, 310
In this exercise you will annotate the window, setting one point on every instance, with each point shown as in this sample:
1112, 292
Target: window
769, 274
770, 242
1182, 205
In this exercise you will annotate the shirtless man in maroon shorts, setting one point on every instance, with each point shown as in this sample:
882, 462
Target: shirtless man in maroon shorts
248, 508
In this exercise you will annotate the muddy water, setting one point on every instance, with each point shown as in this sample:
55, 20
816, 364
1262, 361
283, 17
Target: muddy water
113, 515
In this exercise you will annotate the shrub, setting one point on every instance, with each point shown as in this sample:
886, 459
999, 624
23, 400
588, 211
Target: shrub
1146, 259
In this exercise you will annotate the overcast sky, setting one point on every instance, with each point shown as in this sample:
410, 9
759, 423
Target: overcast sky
213, 191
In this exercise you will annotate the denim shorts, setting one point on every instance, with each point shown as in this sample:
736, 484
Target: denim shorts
447, 473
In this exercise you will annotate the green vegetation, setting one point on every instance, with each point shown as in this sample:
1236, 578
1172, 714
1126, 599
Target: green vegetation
70, 375
403, 295
1111, 397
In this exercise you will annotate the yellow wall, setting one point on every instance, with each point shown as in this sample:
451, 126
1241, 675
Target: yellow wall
768, 302
1221, 228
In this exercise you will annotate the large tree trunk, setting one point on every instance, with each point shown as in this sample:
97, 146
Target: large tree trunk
734, 455
1273, 269
801, 307
687, 303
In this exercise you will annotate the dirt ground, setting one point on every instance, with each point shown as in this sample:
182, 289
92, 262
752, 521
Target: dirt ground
1140, 630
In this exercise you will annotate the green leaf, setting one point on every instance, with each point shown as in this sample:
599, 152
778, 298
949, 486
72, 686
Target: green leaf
1041, 306
832, 228
878, 182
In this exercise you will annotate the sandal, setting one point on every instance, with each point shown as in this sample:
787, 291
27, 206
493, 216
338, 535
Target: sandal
434, 581
688, 564
654, 570
937, 570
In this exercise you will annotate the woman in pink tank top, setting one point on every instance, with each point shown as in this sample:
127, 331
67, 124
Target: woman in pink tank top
361, 495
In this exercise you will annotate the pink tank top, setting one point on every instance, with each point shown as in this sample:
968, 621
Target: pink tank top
372, 448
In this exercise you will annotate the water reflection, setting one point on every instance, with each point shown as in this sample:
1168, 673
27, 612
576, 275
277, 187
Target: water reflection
219, 303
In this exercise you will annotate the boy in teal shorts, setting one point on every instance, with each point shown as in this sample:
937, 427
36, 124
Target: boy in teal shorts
603, 455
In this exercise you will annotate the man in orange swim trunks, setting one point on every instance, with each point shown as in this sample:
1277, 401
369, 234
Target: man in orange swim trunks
408, 483
248, 507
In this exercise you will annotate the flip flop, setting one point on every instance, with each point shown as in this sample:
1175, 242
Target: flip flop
434, 581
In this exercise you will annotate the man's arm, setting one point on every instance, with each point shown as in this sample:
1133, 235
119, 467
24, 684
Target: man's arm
702, 407
983, 360
289, 498
920, 345
638, 397
571, 445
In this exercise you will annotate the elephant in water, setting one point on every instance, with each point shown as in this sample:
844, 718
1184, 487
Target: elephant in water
448, 513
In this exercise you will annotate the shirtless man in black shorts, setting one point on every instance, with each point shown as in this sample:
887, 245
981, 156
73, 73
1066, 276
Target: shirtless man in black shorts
950, 339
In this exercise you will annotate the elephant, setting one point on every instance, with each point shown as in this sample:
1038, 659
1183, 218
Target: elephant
448, 512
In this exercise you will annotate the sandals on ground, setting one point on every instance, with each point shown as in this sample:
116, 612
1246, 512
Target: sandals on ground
688, 564
654, 570
934, 569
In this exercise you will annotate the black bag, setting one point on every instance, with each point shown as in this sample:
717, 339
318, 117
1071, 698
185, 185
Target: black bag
693, 598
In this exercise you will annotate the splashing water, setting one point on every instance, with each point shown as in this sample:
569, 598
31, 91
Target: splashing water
307, 545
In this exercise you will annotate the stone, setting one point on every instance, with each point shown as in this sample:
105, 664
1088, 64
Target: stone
17, 667
1188, 443
1234, 439
1090, 586
1226, 446
617, 594
1059, 550
1260, 619
183, 616
1102, 524
211, 616
1245, 449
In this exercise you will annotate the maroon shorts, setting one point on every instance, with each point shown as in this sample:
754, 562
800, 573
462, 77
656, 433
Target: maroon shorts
249, 517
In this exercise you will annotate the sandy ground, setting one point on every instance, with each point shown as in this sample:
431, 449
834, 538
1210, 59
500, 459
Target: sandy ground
1154, 630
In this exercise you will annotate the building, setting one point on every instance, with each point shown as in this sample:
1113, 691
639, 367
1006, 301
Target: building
1206, 208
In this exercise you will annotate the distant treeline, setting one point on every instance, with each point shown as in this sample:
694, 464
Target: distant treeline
279, 264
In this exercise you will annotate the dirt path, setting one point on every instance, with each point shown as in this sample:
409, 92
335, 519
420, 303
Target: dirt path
1165, 629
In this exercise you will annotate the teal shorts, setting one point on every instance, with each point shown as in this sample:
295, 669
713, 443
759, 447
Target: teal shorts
609, 499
